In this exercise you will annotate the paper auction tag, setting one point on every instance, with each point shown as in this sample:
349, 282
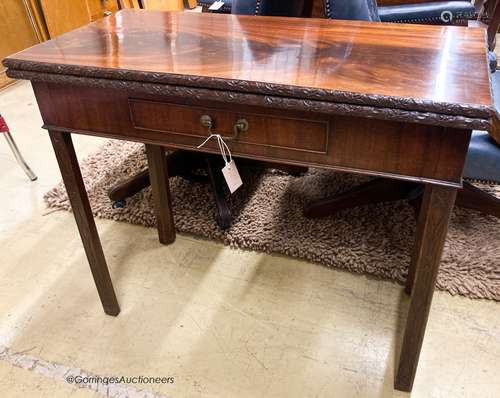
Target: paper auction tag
217, 5
232, 176
229, 171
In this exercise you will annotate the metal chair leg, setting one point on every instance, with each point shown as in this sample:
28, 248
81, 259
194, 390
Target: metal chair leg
31, 175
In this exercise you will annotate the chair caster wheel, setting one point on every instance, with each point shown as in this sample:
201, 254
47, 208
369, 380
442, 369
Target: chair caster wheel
119, 204
223, 220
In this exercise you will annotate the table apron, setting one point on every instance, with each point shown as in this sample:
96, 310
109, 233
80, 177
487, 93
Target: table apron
409, 151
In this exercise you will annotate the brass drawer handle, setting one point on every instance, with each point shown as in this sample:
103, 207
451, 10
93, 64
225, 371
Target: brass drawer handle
240, 126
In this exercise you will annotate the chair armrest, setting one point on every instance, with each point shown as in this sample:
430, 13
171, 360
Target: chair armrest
440, 12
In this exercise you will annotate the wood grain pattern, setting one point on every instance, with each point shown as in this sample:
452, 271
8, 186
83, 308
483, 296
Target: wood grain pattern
432, 227
263, 129
72, 177
354, 60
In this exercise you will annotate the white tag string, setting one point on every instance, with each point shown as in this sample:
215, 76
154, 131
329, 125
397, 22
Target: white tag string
224, 149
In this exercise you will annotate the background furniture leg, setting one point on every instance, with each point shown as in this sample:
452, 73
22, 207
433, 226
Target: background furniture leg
130, 186
178, 163
474, 198
294, 171
375, 191
31, 175
223, 216
158, 175
72, 177
432, 227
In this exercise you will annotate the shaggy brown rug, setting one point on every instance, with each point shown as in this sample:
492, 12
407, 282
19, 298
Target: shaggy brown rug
374, 240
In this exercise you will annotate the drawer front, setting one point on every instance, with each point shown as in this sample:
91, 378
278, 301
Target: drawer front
263, 130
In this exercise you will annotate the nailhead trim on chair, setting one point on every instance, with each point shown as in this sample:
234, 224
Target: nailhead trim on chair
476, 180
456, 17
328, 9
257, 7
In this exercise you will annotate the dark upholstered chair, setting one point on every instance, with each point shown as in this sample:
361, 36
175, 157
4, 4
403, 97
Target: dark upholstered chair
482, 163
4, 129
283, 8
287, 8
440, 12
183, 163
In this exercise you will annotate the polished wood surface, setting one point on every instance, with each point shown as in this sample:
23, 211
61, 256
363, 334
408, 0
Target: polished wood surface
184, 120
426, 63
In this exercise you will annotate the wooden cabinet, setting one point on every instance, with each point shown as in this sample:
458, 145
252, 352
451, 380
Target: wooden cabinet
64, 15
100, 8
18, 31
163, 5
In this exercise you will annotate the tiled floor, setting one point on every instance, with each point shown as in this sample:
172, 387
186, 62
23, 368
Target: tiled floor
222, 322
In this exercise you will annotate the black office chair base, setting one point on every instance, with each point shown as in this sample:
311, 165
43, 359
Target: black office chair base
185, 164
383, 190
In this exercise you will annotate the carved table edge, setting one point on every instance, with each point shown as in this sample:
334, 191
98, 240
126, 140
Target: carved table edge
255, 87
277, 102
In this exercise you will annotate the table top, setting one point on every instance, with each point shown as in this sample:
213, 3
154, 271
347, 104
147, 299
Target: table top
440, 69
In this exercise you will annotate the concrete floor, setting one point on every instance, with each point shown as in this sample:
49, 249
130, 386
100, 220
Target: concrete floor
222, 322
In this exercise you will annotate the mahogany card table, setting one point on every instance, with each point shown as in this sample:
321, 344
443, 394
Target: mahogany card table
391, 100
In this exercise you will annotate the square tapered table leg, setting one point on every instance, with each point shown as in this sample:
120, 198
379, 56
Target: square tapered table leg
435, 212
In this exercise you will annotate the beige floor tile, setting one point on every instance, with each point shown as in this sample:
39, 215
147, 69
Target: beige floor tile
21, 383
222, 322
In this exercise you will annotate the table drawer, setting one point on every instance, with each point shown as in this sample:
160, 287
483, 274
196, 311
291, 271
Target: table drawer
263, 129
